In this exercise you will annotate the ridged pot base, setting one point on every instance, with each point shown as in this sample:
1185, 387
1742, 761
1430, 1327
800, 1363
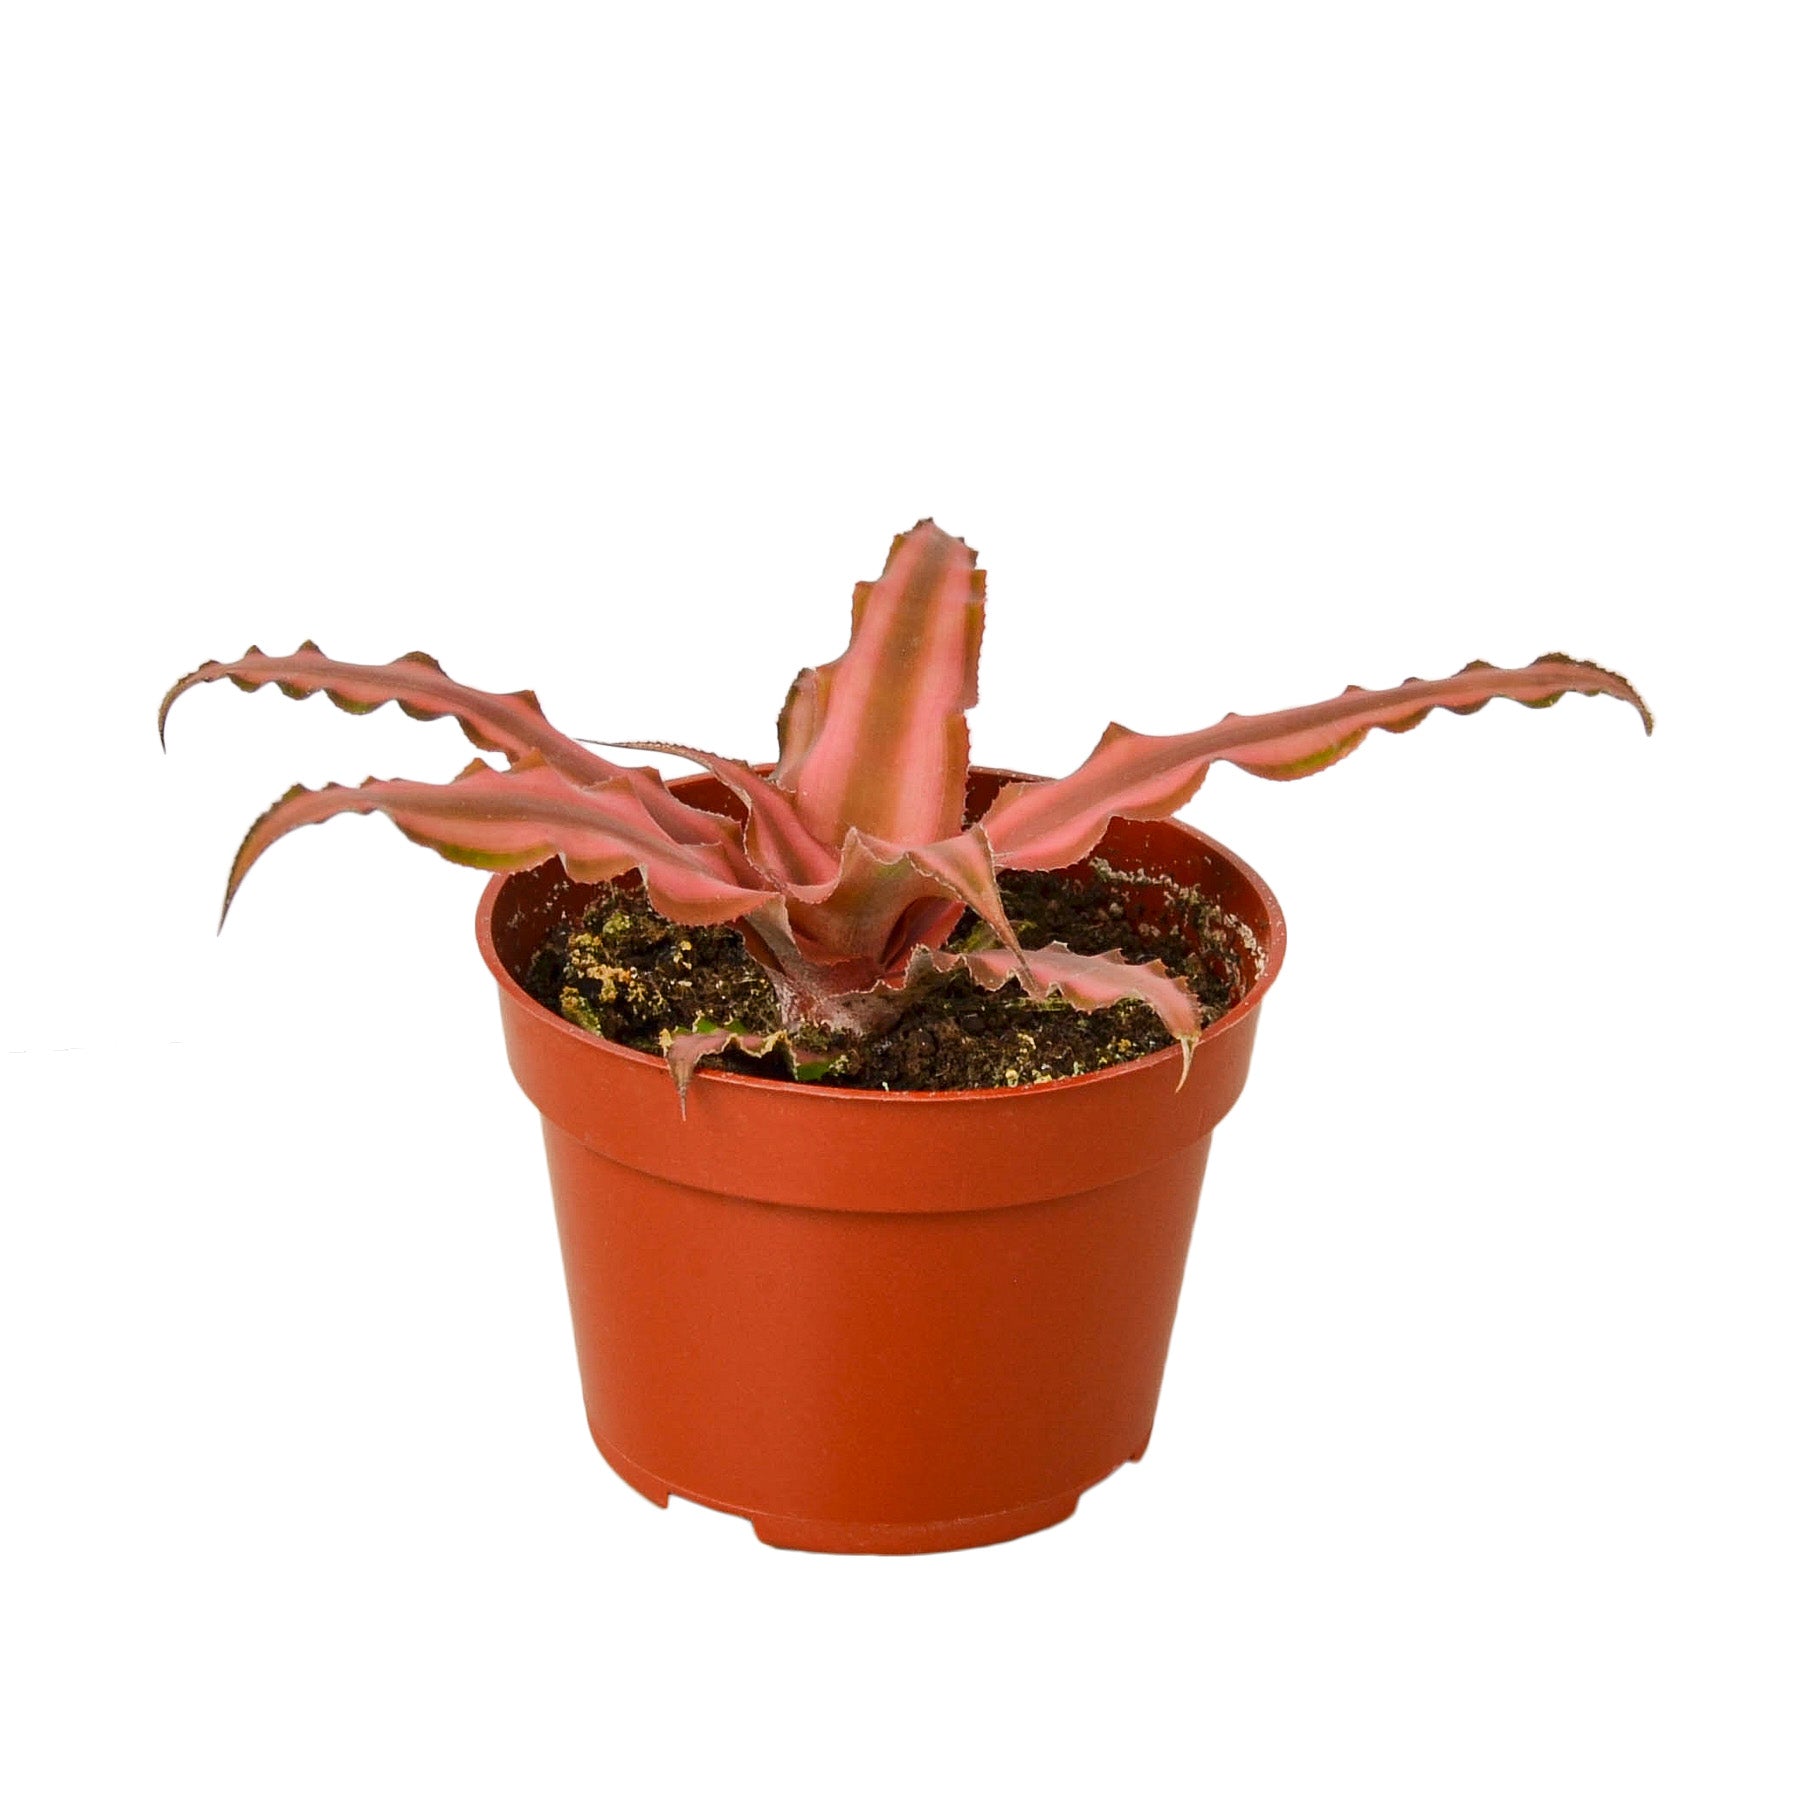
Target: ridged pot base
875, 1539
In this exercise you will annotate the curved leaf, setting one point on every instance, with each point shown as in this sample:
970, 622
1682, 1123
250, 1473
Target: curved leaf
776, 839
1049, 824
884, 899
869, 902
1087, 983
511, 724
684, 1051
878, 741
801, 719
516, 818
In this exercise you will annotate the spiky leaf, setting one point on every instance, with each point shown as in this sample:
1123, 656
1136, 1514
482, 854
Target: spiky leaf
684, 1051
1049, 824
878, 740
885, 899
511, 724
1087, 983
776, 838
516, 818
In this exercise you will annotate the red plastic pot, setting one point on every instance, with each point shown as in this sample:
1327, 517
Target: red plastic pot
874, 1321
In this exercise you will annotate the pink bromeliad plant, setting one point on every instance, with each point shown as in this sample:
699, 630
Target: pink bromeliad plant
854, 862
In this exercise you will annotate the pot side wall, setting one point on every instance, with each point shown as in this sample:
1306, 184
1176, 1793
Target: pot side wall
874, 1321
870, 1380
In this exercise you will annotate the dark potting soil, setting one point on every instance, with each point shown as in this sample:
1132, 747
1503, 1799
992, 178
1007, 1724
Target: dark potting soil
628, 974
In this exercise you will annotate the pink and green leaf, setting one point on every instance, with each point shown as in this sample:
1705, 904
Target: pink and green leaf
516, 818
801, 720
1087, 983
684, 1051
1049, 824
776, 838
878, 741
885, 899
871, 901
511, 724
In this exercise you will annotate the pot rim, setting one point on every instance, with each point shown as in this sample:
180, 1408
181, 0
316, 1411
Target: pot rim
1273, 950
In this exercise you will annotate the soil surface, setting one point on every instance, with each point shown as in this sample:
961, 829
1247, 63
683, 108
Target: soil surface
628, 974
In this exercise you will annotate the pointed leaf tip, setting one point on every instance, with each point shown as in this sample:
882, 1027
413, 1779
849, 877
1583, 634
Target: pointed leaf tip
684, 1051
878, 740
511, 724
775, 838
1087, 982
1618, 686
1046, 825
501, 819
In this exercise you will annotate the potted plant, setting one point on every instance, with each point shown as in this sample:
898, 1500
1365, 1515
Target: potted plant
864, 1313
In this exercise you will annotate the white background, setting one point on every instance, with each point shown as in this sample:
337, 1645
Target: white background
1258, 349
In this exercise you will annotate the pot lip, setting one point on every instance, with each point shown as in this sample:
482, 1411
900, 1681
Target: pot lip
1273, 951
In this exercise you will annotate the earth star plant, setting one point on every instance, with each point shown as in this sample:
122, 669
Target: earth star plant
853, 866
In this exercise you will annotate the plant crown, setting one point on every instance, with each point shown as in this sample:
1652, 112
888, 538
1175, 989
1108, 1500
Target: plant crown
854, 862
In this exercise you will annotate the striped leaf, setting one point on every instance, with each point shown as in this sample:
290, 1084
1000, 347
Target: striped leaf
1087, 983
511, 724
884, 900
878, 741
776, 839
1050, 824
516, 818
684, 1051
